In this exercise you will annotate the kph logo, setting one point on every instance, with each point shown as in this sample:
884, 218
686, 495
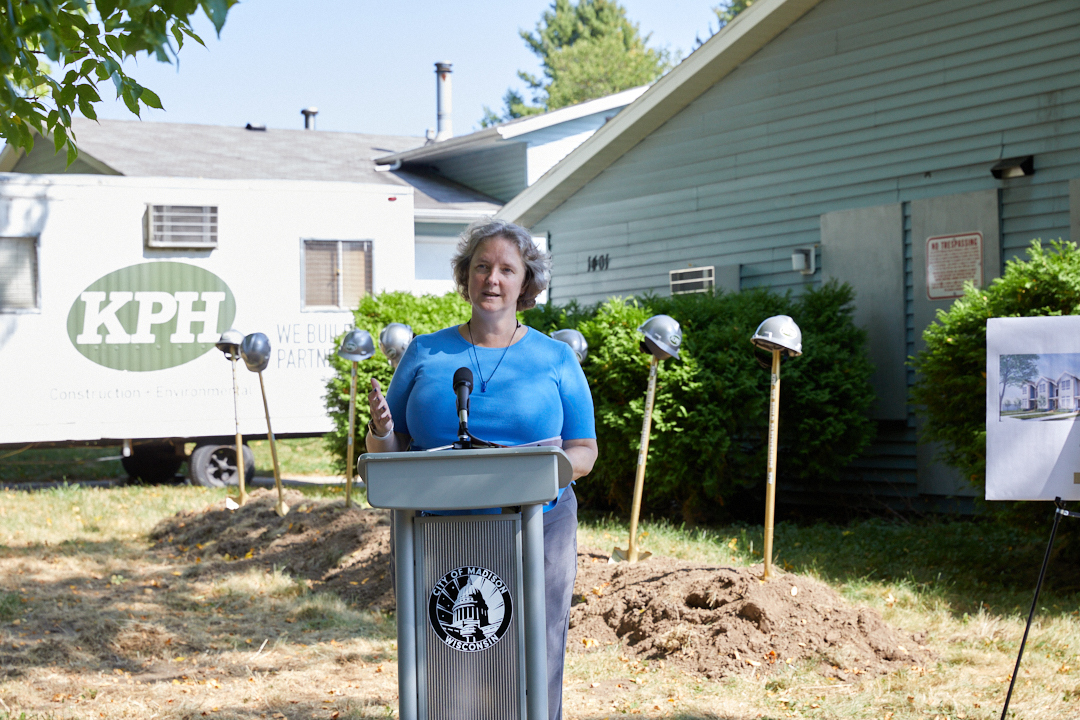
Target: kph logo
151, 316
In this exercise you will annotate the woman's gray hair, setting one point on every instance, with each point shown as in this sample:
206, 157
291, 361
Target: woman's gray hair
537, 262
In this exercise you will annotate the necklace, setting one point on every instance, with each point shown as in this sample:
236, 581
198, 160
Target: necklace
476, 359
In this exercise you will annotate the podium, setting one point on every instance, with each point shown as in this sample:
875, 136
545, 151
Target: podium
470, 588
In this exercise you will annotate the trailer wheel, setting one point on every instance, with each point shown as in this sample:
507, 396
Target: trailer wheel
213, 465
152, 463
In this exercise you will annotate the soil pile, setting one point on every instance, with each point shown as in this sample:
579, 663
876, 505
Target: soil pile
709, 620
343, 550
721, 621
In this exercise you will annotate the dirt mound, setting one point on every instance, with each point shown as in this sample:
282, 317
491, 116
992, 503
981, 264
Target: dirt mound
347, 551
709, 620
720, 621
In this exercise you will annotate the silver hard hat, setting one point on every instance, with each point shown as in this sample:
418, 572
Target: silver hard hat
779, 333
229, 342
662, 336
394, 341
255, 350
357, 346
575, 340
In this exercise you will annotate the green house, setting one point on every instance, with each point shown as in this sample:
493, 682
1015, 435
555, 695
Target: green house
901, 146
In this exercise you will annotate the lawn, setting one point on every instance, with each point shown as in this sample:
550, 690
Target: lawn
97, 621
298, 457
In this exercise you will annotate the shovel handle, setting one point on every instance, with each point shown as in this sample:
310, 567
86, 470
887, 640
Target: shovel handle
770, 479
350, 453
643, 457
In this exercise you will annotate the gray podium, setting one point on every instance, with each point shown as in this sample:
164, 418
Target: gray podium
470, 588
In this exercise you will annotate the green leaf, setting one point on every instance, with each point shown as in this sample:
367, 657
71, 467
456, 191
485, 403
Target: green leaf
87, 93
66, 96
59, 138
216, 10
115, 44
150, 99
87, 109
130, 100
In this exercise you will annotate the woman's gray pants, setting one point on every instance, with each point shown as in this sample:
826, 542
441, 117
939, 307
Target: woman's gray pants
560, 568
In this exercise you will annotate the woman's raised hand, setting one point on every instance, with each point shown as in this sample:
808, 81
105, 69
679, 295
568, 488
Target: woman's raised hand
380, 411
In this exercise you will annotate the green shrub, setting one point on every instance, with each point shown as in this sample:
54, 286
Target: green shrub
425, 314
952, 368
710, 421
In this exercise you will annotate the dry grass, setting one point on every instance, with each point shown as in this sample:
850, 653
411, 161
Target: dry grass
95, 624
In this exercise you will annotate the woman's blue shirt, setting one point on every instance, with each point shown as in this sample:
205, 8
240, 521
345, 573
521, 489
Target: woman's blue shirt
537, 392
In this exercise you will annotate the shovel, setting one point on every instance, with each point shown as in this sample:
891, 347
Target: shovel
770, 478
632, 554
242, 500
281, 508
350, 451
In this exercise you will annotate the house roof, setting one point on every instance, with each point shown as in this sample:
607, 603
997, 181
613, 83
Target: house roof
512, 129
750, 31
152, 149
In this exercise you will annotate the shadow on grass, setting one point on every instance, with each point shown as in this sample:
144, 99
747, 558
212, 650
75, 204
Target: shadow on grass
113, 607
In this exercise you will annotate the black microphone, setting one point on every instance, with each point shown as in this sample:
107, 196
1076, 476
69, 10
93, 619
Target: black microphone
463, 384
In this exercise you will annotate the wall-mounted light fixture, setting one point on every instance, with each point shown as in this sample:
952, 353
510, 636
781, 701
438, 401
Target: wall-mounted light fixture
803, 260
1014, 167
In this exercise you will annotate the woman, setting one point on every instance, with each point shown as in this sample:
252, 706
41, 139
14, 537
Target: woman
526, 388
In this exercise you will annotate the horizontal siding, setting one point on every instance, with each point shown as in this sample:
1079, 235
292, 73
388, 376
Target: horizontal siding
858, 104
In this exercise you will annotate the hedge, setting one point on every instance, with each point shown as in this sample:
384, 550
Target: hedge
710, 420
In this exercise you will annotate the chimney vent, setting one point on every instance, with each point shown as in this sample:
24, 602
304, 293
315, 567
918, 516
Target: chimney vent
443, 105
309, 117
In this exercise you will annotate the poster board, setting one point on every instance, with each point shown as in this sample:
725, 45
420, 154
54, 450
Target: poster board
1033, 408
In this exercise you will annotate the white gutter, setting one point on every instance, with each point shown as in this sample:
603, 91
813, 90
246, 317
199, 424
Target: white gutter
439, 215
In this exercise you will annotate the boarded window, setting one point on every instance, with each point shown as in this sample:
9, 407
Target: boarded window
18, 274
337, 273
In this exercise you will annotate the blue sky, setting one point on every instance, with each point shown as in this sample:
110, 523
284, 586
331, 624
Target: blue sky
368, 66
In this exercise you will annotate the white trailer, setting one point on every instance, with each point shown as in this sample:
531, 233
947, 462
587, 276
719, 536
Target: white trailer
113, 291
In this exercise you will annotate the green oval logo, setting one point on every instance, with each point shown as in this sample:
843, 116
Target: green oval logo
151, 316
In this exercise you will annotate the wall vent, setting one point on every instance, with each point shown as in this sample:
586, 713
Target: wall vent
692, 280
182, 226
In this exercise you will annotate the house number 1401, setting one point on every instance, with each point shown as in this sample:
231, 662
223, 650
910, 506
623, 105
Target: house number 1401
597, 262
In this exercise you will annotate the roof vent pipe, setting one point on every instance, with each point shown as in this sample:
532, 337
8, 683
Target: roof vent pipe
444, 106
309, 117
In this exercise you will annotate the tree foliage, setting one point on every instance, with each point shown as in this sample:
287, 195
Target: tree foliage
952, 369
726, 12
54, 53
1014, 371
588, 50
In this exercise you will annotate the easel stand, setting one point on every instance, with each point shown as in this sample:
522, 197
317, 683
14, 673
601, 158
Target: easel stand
1059, 512
470, 588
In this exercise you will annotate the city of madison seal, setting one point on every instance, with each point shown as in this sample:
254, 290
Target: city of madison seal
470, 608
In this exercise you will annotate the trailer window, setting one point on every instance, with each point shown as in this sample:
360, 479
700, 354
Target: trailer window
337, 273
18, 274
